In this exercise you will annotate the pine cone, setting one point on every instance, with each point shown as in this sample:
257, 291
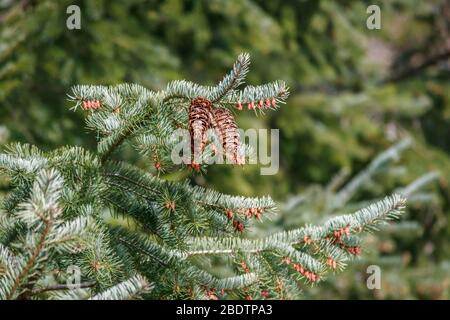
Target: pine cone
222, 121
199, 123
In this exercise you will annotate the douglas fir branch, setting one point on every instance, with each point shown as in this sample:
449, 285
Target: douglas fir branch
62, 234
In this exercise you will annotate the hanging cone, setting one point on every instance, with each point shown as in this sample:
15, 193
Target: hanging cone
199, 122
226, 129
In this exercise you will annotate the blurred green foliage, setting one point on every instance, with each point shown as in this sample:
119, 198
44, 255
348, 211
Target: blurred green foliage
354, 93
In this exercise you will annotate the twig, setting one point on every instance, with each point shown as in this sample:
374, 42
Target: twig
412, 71
56, 287
30, 263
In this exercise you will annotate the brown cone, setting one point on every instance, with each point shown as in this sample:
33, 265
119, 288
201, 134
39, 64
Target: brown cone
227, 131
199, 123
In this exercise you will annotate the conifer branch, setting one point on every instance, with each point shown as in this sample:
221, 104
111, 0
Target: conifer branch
232, 80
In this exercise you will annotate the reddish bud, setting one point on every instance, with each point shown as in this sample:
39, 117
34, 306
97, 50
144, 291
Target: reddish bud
245, 267
347, 230
260, 104
195, 166
307, 239
239, 226
229, 213
286, 260
332, 263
